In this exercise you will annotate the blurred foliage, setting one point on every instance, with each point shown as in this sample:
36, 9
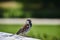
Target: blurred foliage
32, 8
13, 13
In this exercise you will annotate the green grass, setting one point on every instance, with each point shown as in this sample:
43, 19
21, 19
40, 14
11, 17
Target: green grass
44, 32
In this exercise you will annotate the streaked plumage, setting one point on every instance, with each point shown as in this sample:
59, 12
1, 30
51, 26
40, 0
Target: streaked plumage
25, 28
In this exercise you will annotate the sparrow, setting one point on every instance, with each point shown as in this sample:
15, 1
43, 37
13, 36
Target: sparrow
25, 28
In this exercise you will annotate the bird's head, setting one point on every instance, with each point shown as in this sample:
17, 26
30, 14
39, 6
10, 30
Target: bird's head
29, 22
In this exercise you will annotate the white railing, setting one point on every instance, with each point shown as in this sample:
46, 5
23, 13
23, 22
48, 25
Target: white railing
6, 36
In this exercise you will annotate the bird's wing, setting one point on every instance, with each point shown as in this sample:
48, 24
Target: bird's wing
24, 28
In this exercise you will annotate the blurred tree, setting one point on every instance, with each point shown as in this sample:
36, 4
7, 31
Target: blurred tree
44, 11
1, 12
13, 13
33, 8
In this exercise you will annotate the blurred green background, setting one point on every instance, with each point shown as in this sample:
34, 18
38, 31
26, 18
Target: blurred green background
32, 9
29, 8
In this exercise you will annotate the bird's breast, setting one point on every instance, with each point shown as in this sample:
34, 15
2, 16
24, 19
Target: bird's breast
25, 28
